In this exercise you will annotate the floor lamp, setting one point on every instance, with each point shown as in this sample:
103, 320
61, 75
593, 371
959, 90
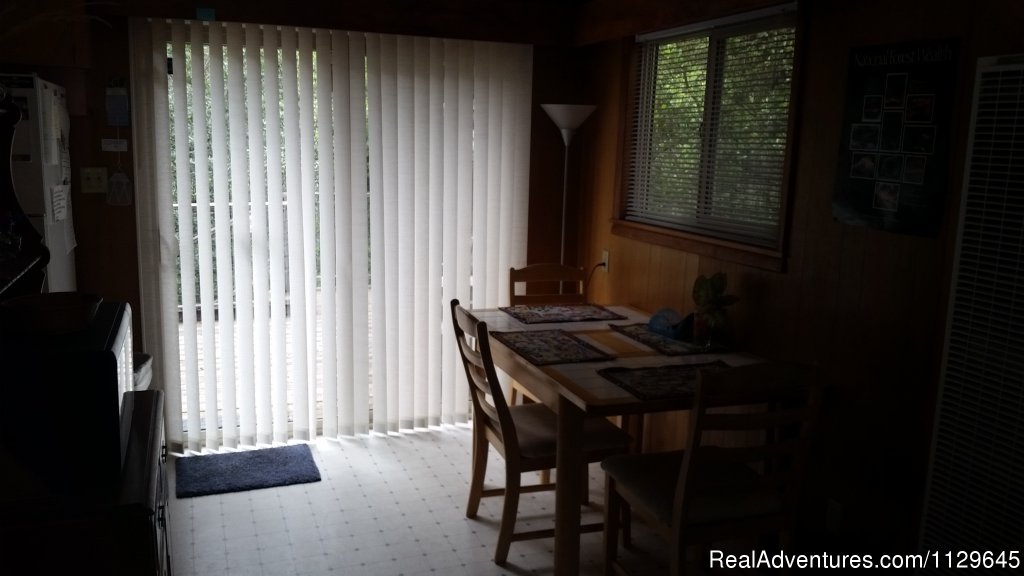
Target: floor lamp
568, 118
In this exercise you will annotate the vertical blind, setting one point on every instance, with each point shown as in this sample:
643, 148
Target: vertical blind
710, 131
309, 201
974, 500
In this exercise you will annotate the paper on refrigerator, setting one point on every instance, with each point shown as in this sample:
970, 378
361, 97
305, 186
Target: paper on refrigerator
60, 213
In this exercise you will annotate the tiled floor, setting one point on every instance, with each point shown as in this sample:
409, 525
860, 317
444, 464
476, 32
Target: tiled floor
387, 505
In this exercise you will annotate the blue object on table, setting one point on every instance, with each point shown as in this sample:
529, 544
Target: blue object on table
664, 321
669, 323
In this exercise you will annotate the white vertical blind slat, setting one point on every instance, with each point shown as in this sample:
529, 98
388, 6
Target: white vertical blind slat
492, 258
159, 329
308, 223
390, 102
360, 246
432, 333
504, 178
341, 93
418, 340
241, 240
260, 240
481, 152
276, 233
329, 282
227, 416
204, 233
187, 268
375, 142
405, 323
449, 236
299, 377
166, 314
466, 209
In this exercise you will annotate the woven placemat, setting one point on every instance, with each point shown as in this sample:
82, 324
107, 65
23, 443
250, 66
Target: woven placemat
548, 313
543, 347
663, 344
659, 382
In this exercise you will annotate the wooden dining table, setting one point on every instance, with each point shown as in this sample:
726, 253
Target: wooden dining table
580, 389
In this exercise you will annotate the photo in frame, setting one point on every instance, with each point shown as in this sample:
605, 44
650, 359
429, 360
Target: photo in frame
894, 150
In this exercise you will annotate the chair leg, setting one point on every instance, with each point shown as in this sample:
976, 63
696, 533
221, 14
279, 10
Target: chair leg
612, 512
634, 425
508, 515
627, 525
476, 484
585, 485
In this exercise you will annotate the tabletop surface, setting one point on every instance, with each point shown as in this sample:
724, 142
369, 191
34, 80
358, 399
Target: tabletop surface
581, 380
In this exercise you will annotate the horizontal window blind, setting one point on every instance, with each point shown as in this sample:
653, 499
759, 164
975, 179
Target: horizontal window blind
665, 177
710, 132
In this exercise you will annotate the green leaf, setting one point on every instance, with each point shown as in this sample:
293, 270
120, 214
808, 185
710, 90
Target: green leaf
718, 282
710, 297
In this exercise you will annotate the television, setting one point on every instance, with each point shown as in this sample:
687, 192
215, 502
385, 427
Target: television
61, 391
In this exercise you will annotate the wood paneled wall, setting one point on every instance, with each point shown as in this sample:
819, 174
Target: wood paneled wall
866, 306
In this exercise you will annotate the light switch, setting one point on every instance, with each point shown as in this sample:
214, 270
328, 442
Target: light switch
94, 180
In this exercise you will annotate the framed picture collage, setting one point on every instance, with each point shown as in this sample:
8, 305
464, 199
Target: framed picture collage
893, 158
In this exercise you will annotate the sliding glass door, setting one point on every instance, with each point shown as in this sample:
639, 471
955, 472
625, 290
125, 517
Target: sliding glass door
309, 201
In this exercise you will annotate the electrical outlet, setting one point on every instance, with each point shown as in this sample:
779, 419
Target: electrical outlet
604, 260
94, 180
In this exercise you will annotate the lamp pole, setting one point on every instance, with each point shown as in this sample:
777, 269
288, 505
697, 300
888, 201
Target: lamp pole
568, 117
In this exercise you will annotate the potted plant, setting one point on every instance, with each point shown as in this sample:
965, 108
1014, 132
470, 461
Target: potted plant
711, 302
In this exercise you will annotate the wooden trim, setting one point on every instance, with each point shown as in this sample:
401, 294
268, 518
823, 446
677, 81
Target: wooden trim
625, 145
604, 20
792, 140
764, 258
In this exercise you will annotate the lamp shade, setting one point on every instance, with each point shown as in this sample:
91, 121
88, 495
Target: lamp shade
568, 117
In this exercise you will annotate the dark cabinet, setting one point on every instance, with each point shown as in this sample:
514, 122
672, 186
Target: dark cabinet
141, 513
73, 530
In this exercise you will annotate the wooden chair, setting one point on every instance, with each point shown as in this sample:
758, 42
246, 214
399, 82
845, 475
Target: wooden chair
707, 493
553, 283
547, 284
543, 284
525, 435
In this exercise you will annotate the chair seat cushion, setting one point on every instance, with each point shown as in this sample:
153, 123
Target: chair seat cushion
537, 428
649, 481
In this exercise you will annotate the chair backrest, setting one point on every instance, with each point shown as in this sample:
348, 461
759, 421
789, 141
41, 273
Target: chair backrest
772, 409
547, 284
490, 410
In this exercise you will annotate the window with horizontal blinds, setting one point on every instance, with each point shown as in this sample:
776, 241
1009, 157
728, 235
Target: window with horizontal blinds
710, 132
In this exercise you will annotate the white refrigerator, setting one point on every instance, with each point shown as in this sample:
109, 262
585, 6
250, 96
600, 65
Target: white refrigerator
41, 170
